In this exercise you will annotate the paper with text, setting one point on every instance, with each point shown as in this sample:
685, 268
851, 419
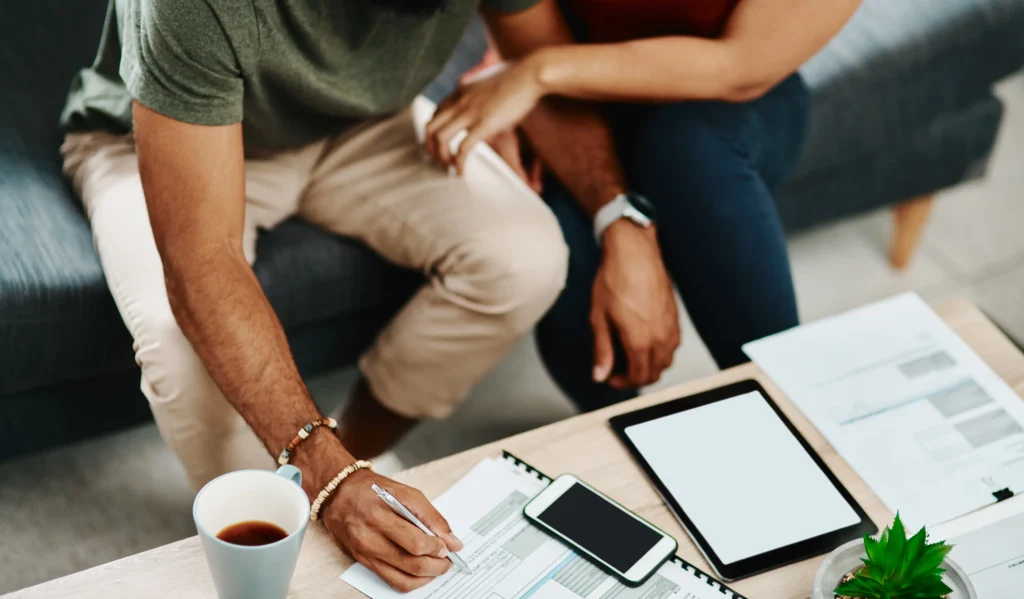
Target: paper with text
920, 417
511, 559
989, 546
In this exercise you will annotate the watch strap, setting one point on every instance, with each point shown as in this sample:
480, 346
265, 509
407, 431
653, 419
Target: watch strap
609, 213
619, 207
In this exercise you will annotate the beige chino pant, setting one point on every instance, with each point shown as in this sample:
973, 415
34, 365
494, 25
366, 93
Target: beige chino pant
493, 256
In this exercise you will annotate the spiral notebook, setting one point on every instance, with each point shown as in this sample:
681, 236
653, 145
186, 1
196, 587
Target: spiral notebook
511, 559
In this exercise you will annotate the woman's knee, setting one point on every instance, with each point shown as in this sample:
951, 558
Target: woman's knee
689, 149
684, 128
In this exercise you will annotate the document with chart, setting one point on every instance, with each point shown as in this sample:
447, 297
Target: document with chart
512, 559
920, 417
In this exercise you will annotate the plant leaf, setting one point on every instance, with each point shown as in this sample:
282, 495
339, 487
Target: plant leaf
894, 549
930, 560
899, 568
932, 589
861, 588
868, 572
911, 553
874, 549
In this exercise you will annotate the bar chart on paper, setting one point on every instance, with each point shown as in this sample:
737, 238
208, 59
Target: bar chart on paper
511, 559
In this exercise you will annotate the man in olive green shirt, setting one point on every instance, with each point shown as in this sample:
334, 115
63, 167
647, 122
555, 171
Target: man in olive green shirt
202, 121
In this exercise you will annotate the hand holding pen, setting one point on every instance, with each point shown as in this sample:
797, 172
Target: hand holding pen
369, 530
397, 507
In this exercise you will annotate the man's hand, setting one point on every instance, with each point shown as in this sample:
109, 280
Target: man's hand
633, 295
376, 537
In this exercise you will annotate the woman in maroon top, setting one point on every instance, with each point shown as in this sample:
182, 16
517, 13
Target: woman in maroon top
709, 116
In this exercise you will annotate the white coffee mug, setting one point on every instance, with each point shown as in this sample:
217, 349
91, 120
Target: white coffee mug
252, 572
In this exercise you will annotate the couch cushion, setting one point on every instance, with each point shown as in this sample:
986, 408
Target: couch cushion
310, 275
900, 65
947, 151
57, 320
466, 56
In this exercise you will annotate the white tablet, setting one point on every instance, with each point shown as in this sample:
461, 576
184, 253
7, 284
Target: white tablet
747, 487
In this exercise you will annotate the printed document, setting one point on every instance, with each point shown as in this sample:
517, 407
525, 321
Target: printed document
989, 546
511, 559
920, 417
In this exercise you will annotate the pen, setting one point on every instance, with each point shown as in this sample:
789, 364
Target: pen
397, 507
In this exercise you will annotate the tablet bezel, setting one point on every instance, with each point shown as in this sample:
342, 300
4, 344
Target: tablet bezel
763, 562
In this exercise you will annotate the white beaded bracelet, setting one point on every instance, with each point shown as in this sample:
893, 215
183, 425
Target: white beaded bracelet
314, 510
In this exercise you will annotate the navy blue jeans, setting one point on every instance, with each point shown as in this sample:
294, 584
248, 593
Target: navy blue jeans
710, 169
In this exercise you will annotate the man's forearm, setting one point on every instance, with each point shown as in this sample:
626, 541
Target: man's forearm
194, 180
222, 310
575, 143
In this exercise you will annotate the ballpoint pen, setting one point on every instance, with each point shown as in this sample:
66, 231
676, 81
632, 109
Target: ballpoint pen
397, 507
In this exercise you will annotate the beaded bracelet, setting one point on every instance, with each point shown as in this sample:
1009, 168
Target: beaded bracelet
314, 510
301, 436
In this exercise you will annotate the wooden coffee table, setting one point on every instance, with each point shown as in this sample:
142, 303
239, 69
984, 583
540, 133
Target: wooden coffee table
583, 445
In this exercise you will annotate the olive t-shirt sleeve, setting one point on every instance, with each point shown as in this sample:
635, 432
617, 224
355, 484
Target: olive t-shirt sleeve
183, 60
509, 6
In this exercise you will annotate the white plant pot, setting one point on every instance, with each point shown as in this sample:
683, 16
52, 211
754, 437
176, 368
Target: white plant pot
847, 558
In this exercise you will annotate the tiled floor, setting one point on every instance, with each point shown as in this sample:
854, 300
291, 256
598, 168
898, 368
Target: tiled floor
111, 497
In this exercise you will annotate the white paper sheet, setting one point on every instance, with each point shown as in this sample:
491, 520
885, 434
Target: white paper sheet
920, 417
989, 545
511, 559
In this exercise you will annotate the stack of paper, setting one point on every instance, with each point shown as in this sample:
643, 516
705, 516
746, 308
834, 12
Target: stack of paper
511, 559
989, 546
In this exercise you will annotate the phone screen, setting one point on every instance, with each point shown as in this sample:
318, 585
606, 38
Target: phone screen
600, 527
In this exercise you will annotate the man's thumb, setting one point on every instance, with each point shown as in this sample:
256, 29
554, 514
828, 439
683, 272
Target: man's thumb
604, 353
438, 525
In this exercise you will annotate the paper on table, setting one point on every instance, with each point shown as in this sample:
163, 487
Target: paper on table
513, 560
920, 417
989, 546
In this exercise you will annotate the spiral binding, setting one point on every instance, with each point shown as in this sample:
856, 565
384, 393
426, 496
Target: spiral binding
697, 572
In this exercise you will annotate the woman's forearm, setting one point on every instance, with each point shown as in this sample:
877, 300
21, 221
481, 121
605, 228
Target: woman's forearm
763, 43
650, 70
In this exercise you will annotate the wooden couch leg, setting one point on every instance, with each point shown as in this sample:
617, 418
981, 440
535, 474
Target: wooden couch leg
909, 217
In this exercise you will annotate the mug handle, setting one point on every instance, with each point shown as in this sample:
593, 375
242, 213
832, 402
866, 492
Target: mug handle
291, 473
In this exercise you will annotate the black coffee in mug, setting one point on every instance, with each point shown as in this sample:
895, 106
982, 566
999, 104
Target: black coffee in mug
252, 533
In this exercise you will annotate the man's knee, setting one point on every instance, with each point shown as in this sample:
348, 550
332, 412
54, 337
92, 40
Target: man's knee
197, 422
513, 272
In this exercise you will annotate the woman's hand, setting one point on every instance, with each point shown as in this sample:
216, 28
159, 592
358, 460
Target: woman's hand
496, 101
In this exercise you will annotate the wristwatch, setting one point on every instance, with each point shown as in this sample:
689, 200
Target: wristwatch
631, 206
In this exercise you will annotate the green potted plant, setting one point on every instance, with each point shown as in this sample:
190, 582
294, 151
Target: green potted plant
892, 567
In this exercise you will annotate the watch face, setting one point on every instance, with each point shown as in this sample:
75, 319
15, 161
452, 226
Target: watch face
643, 205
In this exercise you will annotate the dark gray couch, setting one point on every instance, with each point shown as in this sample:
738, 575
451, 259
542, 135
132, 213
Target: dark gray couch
903, 106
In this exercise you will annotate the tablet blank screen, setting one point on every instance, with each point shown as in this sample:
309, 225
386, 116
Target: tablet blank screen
741, 477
